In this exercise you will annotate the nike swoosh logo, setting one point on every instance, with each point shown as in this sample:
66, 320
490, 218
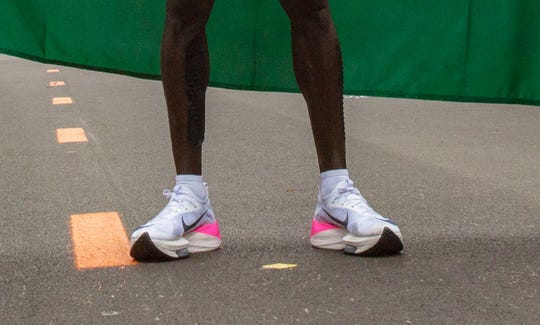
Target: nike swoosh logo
187, 228
343, 223
390, 221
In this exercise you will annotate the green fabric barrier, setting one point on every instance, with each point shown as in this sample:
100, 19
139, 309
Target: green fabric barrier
463, 50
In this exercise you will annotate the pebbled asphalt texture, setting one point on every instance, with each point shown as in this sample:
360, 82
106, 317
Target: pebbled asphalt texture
461, 179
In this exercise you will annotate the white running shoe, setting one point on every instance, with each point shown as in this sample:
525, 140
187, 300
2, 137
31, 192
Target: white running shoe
344, 221
186, 225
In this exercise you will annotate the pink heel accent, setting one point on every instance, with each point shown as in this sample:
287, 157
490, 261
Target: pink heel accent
317, 227
211, 229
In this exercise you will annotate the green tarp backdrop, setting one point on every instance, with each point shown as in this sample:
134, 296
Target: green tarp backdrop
465, 50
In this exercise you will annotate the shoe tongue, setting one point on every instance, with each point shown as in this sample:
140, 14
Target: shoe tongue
182, 199
347, 190
343, 186
344, 183
332, 184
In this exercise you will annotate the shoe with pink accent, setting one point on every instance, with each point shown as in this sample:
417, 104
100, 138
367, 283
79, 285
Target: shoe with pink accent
186, 225
344, 221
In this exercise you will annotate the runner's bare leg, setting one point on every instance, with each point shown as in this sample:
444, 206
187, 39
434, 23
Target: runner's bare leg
319, 72
185, 72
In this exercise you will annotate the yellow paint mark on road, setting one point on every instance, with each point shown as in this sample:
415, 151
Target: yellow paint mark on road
53, 70
279, 266
56, 83
99, 240
62, 100
70, 135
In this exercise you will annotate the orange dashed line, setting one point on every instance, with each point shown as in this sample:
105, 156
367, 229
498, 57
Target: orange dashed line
56, 83
62, 100
53, 70
71, 135
99, 240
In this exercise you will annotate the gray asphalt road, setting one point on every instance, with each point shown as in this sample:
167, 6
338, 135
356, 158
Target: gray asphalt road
461, 179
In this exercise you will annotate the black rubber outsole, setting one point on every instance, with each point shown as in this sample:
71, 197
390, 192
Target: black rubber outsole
144, 250
388, 244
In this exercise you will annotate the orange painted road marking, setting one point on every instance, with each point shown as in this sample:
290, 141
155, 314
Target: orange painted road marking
99, 240
71, 135
62, 100
56, 83
53, 70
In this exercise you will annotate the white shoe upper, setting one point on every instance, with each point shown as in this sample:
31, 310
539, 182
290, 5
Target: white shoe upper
184, 213
347, 208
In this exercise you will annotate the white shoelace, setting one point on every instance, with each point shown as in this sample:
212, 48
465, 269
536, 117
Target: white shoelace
180, 197
350, 195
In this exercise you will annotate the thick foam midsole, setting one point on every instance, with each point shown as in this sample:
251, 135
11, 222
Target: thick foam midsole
329, 239
338, 238
200, 242
171, 247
